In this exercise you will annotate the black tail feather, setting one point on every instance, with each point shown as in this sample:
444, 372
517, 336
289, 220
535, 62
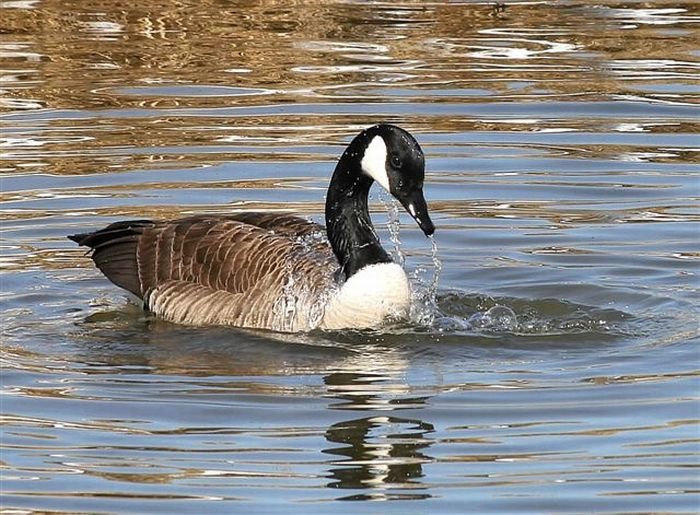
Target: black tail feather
78, 238
114, 251
110, 233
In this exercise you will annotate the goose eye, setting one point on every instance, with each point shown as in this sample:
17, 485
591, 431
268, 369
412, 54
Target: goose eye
395, 161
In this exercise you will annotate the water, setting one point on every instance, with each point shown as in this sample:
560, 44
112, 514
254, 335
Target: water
557, 370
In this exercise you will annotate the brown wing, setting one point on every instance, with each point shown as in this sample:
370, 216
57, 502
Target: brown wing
203, 268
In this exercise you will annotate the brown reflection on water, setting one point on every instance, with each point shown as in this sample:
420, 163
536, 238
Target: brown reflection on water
72, 54
150, 60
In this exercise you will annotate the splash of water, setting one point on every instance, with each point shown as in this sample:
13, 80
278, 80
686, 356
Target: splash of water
424, 308
437, 270
300, 306
498, 318
481, 313
393, 224
286, 306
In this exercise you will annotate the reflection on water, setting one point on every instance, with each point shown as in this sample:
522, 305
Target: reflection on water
382, 452
551, 362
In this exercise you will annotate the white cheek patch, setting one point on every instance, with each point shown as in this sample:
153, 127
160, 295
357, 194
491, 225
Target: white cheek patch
412, 210
374, 161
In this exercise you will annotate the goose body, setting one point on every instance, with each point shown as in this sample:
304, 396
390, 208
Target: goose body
277, 271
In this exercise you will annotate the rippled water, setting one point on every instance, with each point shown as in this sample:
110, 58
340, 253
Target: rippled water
559, 372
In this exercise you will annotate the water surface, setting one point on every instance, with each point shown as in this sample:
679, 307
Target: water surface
556, 371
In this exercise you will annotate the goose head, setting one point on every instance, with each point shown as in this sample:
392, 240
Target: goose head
394, 159
391, 157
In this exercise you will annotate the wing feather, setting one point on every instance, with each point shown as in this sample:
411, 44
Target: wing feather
235, 269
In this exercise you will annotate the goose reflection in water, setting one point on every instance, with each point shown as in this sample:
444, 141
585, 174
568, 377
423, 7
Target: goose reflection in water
375, 452
382, 453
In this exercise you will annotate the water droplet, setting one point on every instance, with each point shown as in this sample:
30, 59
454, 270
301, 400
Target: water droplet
437, 269
394, 226
424, 308
498, 318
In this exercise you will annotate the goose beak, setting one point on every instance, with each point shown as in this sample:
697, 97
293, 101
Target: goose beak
414, 202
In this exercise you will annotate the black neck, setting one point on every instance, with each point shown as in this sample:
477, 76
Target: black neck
350, 230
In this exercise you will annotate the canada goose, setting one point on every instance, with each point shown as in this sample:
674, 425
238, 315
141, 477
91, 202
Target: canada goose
278, 271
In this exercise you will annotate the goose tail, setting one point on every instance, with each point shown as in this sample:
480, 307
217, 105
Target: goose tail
114, 251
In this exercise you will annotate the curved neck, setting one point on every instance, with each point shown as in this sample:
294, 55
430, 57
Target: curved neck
350, 230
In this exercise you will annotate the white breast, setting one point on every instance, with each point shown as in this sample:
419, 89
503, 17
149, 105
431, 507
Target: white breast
374, 295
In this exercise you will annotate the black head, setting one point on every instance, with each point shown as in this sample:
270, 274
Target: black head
393, 158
